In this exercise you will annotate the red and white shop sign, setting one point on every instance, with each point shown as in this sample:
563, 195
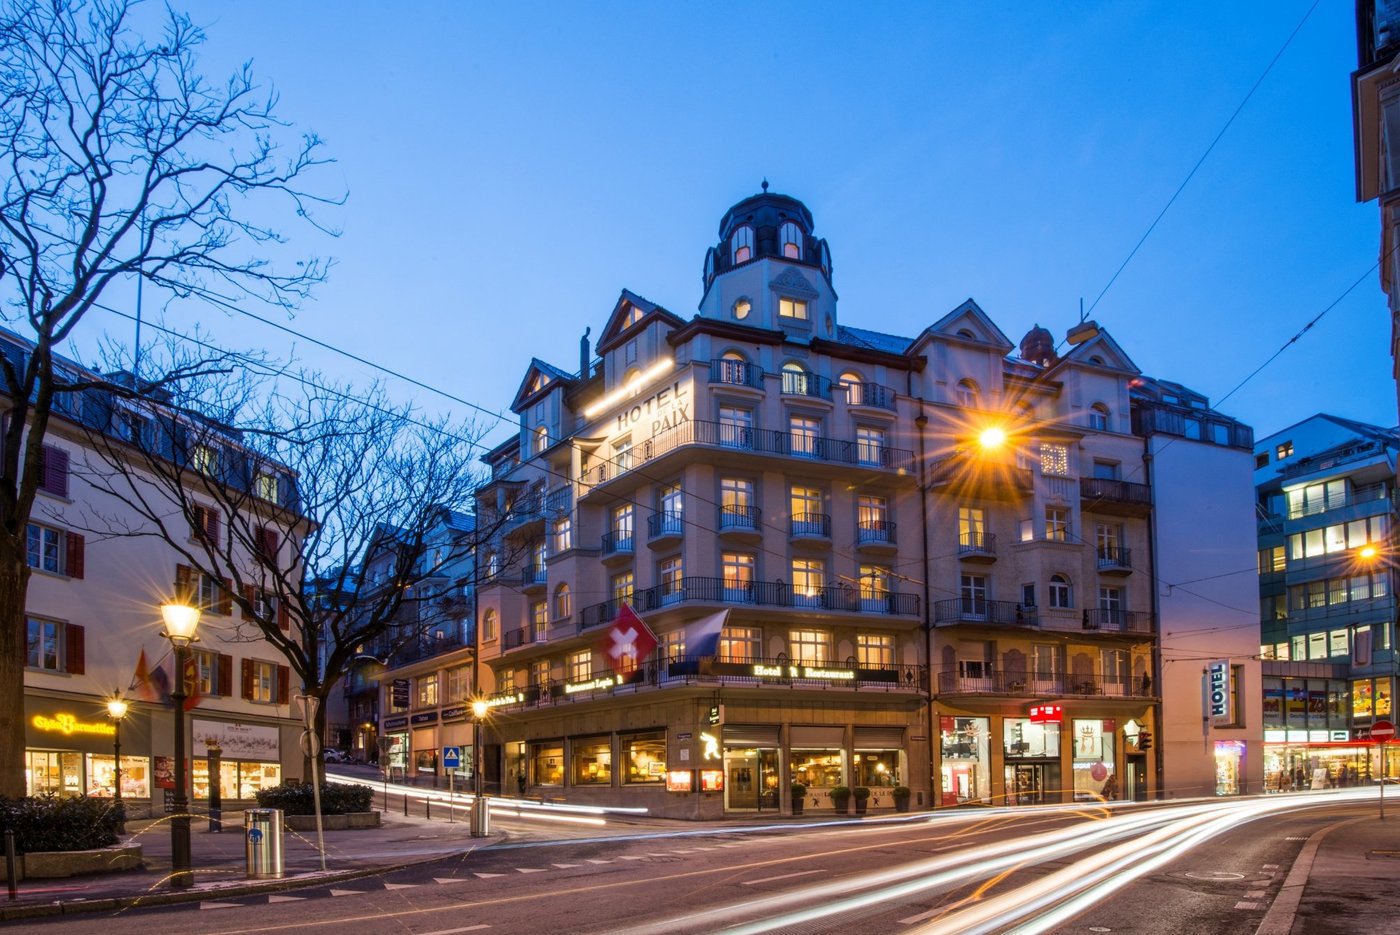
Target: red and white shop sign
1047, 714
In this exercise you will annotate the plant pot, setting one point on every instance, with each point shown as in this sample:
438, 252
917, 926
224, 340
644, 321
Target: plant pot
901, 804
861, 805
841, 805
797, 806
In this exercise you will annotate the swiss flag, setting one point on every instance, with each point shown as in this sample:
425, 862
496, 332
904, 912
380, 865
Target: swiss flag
628, 641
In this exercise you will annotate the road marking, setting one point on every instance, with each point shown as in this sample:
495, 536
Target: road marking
451, 879
220, 905
1255, 894
567, 866
465, 928
530, 870
1271, 866
347, 892
284, 899
634, 857
785, 876
1246, 905
592, 861
487, 876
399, 886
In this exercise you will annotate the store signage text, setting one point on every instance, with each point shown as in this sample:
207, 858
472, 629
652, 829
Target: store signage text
591, 685
803, 672
1047, 714
1219, 679
426, 717
67, 724
395, 722
665, 409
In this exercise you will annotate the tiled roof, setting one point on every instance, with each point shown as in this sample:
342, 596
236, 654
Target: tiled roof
860, 337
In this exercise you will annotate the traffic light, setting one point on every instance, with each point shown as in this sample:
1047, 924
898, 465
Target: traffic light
1144, 740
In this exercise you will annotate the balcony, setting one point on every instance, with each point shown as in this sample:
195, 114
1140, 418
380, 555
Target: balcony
618, 545
872, 395
1028, 685
739, 521
810, 526
977, 547
691, 589
665, 528
806, 384
532, 577
968, 476
736, 373
1115, 560
981, 611
741, 438
875, 535
424, 648
523, 511
1119, 497
1117, 621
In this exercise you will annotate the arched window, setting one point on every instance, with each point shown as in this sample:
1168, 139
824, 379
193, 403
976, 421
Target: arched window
965, 333
852, 383
1061, 594
741, 245
541, 439
796, 380
790, 236
1098, 417
488, 625
742, 307
563, 602
968, 395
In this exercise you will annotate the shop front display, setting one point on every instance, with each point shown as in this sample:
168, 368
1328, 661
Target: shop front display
136, 775
1032, 771
250, 758
69, 749
1095, 766
965, 771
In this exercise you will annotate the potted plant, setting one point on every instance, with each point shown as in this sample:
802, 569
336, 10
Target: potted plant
862, 796
841, 798
901, 798
799, 797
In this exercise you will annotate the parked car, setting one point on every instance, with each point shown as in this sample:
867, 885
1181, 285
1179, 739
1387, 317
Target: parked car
332, 755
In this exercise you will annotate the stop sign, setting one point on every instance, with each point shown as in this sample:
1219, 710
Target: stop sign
1381, 731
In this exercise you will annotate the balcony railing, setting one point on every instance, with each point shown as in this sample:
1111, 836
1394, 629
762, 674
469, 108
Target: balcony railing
758, 441
968, 473
663, 525
524, 636
810, 526
1374, 493
875, 532
618, 543
532, 576
806, 384
979, 610
425, 648
736, 373
1117, 621
1115, 558
739, 518
1115, 491
870, 394
1028, 684
755, 593
977, 544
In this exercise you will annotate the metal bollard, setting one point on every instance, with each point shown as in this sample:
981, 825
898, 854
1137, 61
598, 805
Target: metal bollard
10, 863
427, 808
264, 845
405, 805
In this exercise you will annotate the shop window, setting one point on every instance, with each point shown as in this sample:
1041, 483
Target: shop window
966, 759
427, 691
426, 761
136, 776
1094, 751
645, 757
546, 764
877, 768
819, 769
238, 779
1023, 739
592, 761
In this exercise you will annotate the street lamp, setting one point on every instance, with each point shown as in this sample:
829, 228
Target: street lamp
181, 624
480, 815
116, 710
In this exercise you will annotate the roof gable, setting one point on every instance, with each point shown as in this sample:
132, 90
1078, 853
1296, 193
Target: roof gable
632, 312
1102, 351
967, 319
540, 377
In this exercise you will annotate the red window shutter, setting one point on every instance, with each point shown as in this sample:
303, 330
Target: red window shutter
246, 692
250, 596
268, 542
284, 620
284, 681
75, 555
226, 598
211, 525
75, 637
53, 474
223, 684
184, 583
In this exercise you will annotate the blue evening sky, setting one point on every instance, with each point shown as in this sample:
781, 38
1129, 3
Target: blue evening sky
511, 167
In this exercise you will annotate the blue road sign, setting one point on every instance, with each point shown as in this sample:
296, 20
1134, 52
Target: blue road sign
451, 757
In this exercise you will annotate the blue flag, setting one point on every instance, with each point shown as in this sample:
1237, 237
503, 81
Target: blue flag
702, 636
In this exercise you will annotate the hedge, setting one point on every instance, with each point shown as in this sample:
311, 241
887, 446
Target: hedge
50, 823
337, 798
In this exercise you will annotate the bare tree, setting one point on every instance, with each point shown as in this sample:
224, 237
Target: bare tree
119, 161
305, 519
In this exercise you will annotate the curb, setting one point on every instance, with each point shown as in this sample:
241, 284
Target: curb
1284, 911
168, 898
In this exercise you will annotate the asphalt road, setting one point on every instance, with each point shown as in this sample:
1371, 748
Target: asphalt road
1160, 871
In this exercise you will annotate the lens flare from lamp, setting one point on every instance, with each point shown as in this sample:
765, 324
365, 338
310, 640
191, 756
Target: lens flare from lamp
181, 621
1368, 552
116, 709
480, 708
993, 437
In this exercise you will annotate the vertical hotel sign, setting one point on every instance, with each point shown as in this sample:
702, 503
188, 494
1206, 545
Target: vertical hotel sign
1218, 691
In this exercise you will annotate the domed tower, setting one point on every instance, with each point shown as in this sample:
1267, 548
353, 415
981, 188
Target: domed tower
1038, 347
768, 270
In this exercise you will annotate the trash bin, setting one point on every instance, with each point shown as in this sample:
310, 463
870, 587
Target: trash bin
263, 829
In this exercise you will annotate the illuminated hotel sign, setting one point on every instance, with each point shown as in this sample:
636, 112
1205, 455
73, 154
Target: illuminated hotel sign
665, 409
1047, 714
67, 725
761, 670
1218, 689
606, 681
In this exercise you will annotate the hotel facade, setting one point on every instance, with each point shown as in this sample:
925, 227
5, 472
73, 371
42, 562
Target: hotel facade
936, 553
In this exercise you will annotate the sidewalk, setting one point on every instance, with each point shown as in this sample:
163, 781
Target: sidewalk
1351, 884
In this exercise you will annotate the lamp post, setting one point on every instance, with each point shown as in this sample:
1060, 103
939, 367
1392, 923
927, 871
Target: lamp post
181, 624
216, 802
480, 815
116, 710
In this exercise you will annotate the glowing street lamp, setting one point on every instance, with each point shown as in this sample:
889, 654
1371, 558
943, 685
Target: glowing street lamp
181, 629
992, 437
480, 815
116, 710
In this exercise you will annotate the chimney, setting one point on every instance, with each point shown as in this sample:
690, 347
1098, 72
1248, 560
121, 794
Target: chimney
583, 355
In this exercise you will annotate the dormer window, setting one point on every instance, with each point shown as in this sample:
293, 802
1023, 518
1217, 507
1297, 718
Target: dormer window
790, 235
1098, 417
792, 308
968, 395
741, 245
634, 315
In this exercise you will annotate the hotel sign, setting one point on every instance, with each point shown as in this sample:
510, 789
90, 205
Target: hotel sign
1218, 689
784, 672
665, 409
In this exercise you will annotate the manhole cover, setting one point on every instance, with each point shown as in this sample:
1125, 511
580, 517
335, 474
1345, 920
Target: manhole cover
1213, 876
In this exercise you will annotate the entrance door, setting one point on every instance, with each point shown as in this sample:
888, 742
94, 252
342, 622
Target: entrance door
1032, 783
1136, 790
741, 779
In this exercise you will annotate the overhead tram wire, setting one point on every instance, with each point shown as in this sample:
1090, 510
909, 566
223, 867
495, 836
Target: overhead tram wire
1201, 161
